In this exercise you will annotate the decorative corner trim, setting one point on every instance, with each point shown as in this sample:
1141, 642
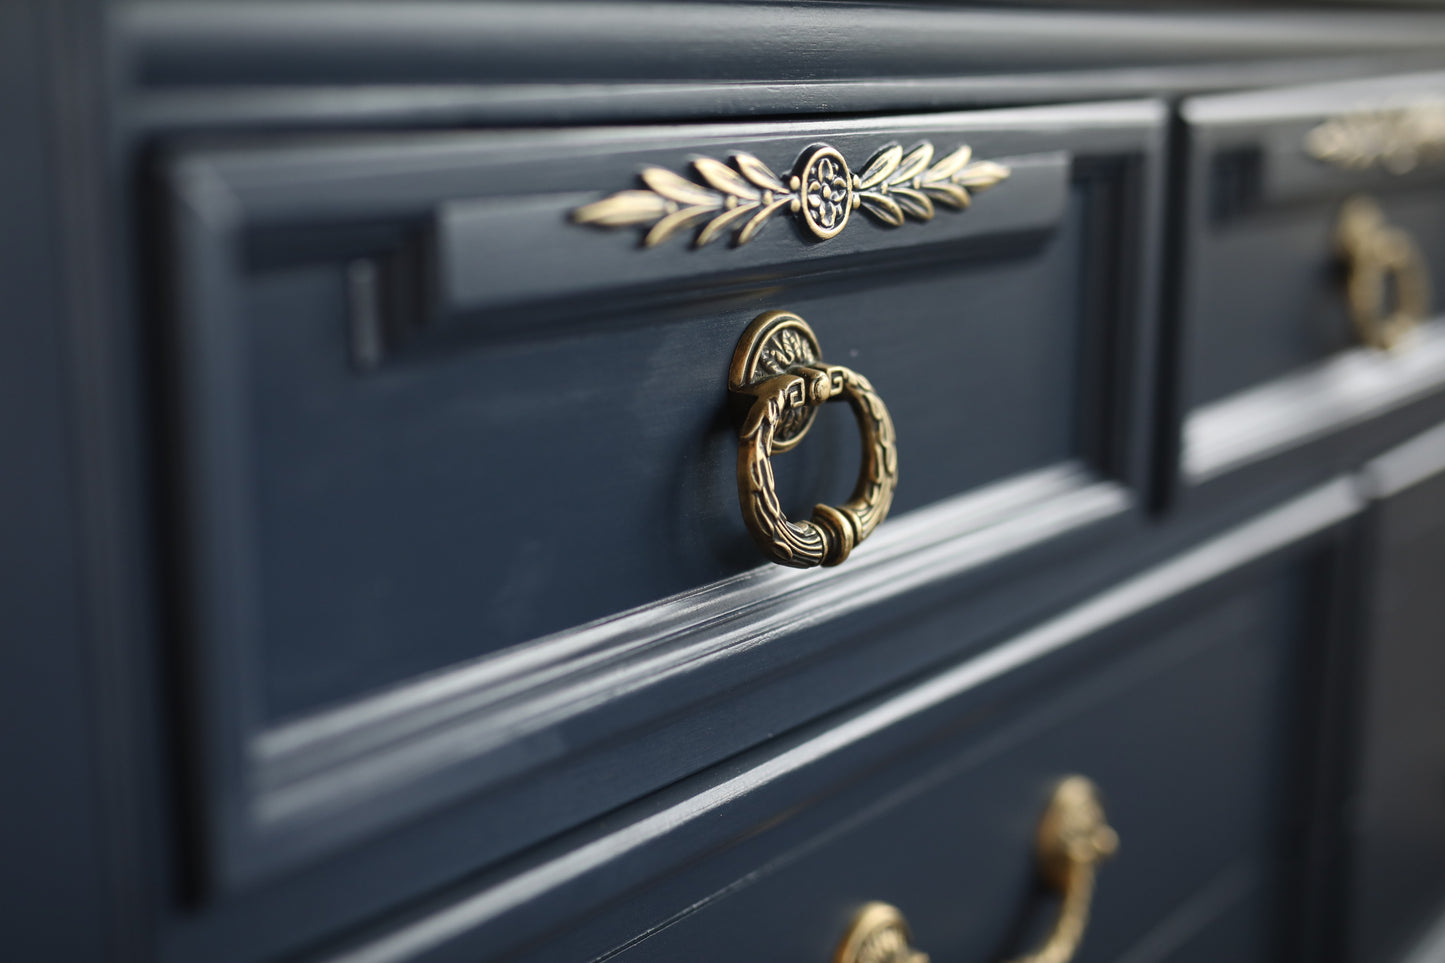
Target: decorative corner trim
739, 200
1395, 139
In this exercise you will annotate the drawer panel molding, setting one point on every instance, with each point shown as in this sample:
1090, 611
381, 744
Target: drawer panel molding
1410, 464
1352, 389
441, 64
1311, 232
418, 746
597, 867
362, 326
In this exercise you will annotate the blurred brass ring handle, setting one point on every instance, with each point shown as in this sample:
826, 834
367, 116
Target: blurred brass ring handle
1375, 254
1073, 838
777, 374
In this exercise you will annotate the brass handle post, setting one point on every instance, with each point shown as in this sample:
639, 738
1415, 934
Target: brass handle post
1375, 254
777, 374
1073, 839
879, 934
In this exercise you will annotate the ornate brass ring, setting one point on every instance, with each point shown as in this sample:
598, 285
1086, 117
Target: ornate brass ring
777, 372
1376, 254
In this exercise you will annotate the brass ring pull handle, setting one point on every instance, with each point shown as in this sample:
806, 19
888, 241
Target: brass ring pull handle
1073, 838
777, 373
1376, 254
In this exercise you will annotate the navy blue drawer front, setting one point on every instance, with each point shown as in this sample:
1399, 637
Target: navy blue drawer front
1183, 692
1270, 360
379, 591
1186, 742
458, 470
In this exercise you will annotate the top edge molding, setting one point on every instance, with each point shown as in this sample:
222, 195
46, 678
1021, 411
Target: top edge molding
305, 42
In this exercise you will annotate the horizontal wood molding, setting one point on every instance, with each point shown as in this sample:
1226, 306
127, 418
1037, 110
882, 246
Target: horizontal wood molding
1337, 394
630, 854
278, 65
1415, 462
324, 42
331, 776
407, 105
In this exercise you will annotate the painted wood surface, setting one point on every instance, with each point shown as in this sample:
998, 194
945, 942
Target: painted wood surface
926, 757
54, 900
1268, 373
525, 458
605, 781
1398, 856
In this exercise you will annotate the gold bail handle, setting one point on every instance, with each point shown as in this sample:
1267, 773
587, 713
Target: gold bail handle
1073, 839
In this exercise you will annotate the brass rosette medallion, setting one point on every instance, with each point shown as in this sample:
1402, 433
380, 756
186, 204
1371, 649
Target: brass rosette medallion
738, 200
827, 187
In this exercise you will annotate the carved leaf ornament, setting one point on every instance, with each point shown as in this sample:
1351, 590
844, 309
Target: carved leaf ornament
1395, 139
737, 201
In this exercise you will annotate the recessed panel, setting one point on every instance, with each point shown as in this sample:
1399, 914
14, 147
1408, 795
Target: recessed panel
460, 461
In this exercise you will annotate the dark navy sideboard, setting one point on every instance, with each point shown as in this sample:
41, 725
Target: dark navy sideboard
383, 577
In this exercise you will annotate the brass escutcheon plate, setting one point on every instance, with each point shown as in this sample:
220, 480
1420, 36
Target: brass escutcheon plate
771, 345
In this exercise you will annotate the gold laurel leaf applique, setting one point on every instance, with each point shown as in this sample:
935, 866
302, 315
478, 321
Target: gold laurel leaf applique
737, 200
